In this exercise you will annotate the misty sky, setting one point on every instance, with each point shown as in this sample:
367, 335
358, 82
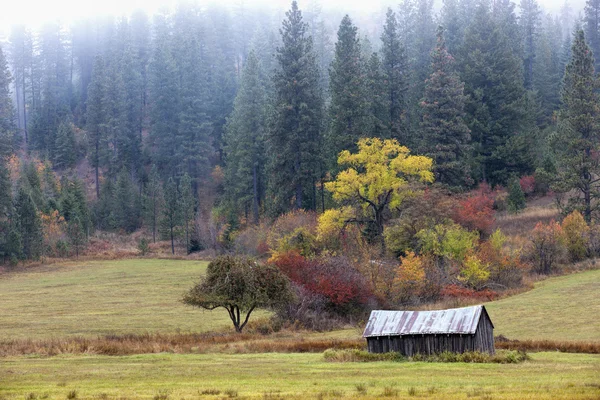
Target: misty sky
36, 12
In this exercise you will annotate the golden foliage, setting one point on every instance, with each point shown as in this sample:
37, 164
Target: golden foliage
378, 172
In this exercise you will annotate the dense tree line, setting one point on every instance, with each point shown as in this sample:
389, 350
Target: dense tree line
206, 109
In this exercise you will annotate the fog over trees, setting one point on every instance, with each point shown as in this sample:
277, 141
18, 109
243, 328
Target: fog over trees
195, 122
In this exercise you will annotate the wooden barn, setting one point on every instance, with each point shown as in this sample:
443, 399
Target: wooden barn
429, 332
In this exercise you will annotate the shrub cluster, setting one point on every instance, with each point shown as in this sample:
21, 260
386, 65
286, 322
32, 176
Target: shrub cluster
501, 357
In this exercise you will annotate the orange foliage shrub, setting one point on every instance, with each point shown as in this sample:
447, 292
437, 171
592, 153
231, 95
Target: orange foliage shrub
410, 277
547, 245
476, 212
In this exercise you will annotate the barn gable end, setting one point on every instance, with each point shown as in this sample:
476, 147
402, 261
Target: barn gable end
429, 332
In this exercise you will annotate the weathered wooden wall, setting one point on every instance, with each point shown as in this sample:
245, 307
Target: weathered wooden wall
408, 345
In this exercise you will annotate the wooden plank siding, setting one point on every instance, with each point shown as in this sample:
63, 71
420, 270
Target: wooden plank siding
408, 345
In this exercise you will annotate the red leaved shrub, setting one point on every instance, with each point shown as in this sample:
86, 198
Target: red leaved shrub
476, 212
527, 184
332, 277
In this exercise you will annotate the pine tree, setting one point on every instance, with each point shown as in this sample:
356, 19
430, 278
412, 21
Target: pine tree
55, 85
95, 118
516, 197
7, 112
73, 203
529, 22
395, 71
115, 123
126, 203
153, 201
164, 101
76, 234
378, 124
445, 134
294, 138
591, 25
578, 141
495, 106
171, 216
348, 106
195, 128
29, 224
65, 152
187, 206
244, 143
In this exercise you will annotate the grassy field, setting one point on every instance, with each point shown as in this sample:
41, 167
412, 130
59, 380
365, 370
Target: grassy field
108, 297
142, 295
138, 296
561, 308
275, 376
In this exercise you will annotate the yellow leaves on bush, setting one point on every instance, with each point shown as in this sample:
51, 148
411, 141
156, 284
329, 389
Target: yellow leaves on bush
575, 232
474, 273
332, 221
410, 277
448, 240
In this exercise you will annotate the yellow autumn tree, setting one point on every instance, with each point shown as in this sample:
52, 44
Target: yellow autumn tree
375, 181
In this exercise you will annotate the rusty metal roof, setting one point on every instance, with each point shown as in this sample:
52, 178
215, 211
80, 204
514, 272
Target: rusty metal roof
394, 323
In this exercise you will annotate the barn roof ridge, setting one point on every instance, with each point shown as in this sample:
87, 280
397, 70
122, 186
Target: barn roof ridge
462, 320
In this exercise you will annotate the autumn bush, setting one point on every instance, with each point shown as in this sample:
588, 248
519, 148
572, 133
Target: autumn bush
476, 212
527, 184
547, 246
335, 279
251, 241
505, 266
288, 223
576, 236
409, 281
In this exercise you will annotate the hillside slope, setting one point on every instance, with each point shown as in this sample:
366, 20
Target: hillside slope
561, 308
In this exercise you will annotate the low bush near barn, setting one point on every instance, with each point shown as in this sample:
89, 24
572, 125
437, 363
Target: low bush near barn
501, 357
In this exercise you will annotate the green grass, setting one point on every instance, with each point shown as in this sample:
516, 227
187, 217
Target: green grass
561, 308
546, 376
103, 297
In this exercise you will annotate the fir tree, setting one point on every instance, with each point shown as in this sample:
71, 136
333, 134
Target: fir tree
95, 118
244, 143
7, 114
294, 138
591, 25
29, 224
65, 152
578, 141
445, 133
76, 234
516, 197
171, 216
115, 123
153, 201
187, 205
529, 22
126, 201
495, 106
395, 69
378, 123
348, 107
164, 101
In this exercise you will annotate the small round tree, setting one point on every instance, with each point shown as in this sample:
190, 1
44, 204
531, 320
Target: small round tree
239, 285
